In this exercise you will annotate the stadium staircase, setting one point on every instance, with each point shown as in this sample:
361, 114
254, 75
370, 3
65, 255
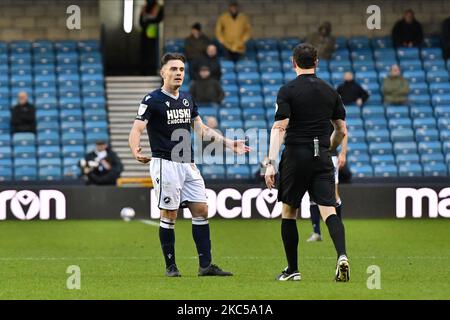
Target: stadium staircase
124, 95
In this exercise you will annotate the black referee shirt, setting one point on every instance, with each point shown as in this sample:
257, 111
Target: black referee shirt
309, 103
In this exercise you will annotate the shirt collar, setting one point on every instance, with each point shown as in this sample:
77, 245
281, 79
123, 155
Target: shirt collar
170, 95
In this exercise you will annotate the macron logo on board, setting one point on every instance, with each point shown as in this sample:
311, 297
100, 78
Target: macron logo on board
438, 204
27, 205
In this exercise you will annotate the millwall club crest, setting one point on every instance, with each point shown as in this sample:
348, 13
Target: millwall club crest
186, 102
168, 104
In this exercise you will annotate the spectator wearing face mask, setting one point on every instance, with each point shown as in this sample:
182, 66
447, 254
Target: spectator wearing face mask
351, 92
101, 166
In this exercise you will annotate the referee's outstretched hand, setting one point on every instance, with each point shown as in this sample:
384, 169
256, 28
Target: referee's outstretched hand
270, 176
239, 147
139, 156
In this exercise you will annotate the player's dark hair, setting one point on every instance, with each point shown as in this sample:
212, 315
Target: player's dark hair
172, 56
305, 55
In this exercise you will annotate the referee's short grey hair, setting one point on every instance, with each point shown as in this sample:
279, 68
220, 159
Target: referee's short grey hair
305, 55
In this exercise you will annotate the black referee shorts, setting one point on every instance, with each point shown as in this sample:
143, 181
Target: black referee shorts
300, 171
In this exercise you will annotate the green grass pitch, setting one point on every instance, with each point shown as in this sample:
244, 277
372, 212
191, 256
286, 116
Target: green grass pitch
120, 260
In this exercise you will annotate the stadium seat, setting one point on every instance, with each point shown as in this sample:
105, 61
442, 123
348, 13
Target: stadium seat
405, 148
435, 170
73, 151
385, 171
357, 136
238, 172
50, 173
49, 151
383, 160
402, 135
421, 112
24, 139
432, 158
213, 172
48, 138
25, 173
381, 135
407, 159
423, 134
362, 171
410, 170
429, 147
375, 123
380, 148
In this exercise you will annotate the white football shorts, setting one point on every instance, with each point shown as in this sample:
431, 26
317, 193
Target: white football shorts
176, 183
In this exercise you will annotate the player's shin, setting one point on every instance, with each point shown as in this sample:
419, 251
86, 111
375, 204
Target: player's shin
167, 239
201, 235
337, 233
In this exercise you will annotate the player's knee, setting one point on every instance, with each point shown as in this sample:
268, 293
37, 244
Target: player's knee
202, 211
169, 214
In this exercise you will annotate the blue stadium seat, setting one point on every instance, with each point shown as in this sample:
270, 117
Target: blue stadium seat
49, 151
427, 135
362, 171
383, 160
385, 171
238, 172
408, 53
94, 115
375, 123
442, 88
50, 173
377, 135
65, 46
405, 148
380, 148
421, 112
25, 173
72, 138
418, 88
251, 102
5, 152
366, 76
400, 123
5, 139
274, 78
18, 162
73, 151
213, 172
442, 111
203, 111
444, 124
411, 66
24, 139
47, 115
359, 159
432, 158
338, 67
21, 151
288, 43
425, 123
434, 65
231, 124
402, 135
410, 170
431, 53
6, 173
56, 161
362, 66
248, 78
444, 135
397, 111
231, 102
407, 159
357, 136
373, 112
259, 124
50, 138
414, 76
340, 55
429, 147
250, 90
435, 170
358, 43
437, 76
72, 126
253, 114
93, 137
440, 99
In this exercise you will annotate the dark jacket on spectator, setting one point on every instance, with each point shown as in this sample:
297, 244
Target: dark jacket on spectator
446, 38
195, 48
23, 118
351, 91
206, 91
100, 175
404, 32
212, 63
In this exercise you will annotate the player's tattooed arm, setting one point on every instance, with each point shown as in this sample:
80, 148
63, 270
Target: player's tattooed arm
276, 140
209, 134
339, 133
134, 141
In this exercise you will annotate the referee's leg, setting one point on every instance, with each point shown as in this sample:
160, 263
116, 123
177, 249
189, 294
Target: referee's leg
289, 234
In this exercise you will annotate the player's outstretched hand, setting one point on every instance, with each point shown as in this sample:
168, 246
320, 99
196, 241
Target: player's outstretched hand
139, 156
239, 147
269, 176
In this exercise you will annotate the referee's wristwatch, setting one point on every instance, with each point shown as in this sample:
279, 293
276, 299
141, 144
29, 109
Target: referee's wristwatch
269, 162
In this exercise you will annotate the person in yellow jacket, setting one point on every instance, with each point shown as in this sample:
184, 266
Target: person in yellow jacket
233, 30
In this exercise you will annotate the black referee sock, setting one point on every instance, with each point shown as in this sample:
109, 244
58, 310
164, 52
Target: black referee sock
167, 239
289, 234
337, 233
315, 217
201, 235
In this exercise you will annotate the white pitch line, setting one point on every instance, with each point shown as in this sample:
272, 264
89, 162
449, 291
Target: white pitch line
150, 223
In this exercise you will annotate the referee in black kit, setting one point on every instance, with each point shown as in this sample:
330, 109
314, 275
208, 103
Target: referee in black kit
305, 106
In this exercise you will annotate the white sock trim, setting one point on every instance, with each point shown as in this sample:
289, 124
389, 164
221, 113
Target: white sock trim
200, 221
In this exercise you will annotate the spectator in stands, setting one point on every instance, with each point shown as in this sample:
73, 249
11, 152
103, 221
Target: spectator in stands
323, 41
407, 32
151, 15
23, 118
233, 30
446, 38
195, 45
395, 87
101, 166
206, 89
351, 92
211, 60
